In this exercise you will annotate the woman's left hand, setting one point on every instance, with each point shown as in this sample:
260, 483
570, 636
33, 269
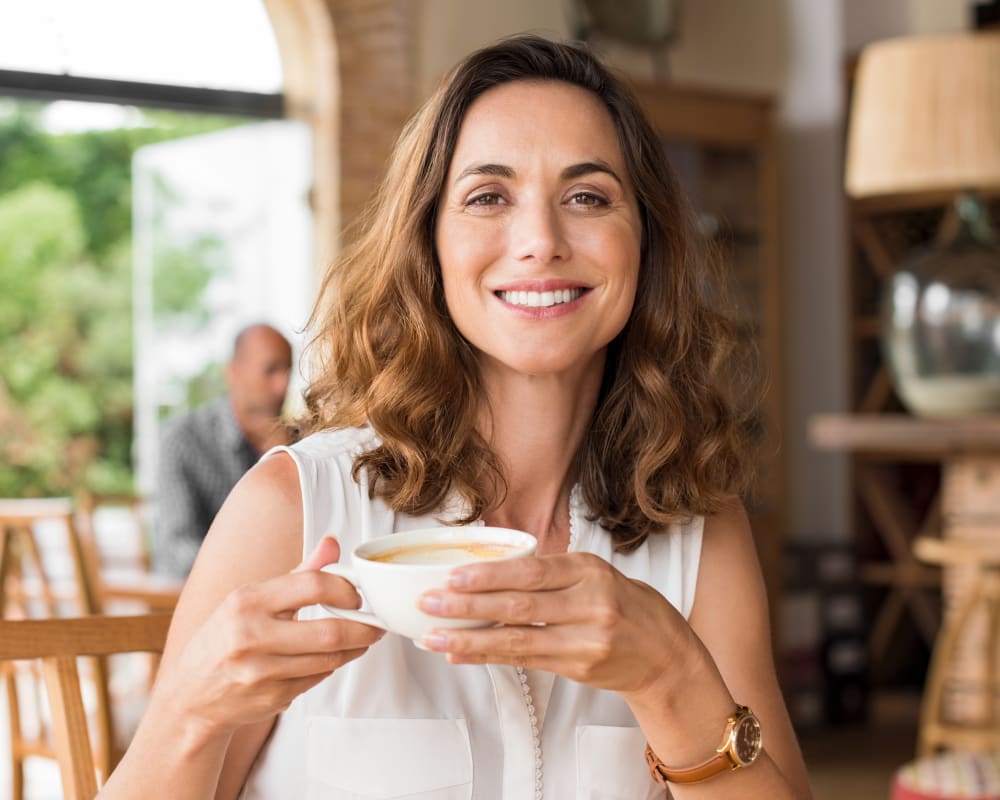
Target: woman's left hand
562, 613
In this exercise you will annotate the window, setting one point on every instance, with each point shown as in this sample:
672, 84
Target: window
225, 210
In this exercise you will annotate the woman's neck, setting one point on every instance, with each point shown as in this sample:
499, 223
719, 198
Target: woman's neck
536, 425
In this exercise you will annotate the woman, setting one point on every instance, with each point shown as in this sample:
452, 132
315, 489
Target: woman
520, 336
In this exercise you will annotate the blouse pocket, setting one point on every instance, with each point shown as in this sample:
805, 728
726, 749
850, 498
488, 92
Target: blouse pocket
375, 759
610, 765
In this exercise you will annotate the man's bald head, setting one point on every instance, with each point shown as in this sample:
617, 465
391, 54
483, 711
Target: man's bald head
259, 371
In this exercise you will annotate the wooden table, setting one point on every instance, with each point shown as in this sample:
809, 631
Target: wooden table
967, 505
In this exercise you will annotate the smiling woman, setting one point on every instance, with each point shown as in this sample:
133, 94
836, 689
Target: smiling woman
546, 221
488, 192
522, 336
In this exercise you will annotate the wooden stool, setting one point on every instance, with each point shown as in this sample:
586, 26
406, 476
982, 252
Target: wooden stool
966, 652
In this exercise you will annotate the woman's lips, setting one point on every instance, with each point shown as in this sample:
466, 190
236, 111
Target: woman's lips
544, 299
545, 304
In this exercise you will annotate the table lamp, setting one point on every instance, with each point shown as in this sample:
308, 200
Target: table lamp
925, 120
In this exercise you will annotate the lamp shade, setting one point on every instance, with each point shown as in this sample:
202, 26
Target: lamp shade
925, 116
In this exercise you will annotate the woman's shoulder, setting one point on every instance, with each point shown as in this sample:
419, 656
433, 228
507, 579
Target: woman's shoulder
730, 566
323, 458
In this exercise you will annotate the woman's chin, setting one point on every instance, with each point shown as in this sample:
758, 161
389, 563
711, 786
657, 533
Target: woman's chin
542, 365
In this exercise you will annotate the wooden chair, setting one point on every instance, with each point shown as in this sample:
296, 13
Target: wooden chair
27, 577
32, 584
131, 554
124, 581
58, 643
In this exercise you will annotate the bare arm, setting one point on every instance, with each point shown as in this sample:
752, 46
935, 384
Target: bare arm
274, 553
730, 661
236, 656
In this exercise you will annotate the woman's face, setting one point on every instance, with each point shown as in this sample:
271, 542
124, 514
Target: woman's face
538, 232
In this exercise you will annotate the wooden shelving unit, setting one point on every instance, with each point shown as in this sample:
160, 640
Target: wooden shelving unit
895, 459
896, 498
723, 147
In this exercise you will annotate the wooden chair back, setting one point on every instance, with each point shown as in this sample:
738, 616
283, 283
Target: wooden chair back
136, 550
26, 579
58, 643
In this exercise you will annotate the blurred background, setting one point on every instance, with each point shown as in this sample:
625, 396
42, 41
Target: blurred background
170, 172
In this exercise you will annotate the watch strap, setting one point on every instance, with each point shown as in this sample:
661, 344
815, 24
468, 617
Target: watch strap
725, 758
720, 762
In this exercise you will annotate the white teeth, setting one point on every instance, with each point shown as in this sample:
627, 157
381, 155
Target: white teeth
540, 299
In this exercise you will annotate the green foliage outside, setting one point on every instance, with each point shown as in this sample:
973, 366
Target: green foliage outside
66, 299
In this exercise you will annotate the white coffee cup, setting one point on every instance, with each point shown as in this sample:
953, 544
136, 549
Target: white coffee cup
392, 572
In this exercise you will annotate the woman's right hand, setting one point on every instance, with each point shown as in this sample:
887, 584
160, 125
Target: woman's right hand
252, 657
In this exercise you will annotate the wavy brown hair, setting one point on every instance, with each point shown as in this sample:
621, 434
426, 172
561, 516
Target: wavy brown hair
667, 439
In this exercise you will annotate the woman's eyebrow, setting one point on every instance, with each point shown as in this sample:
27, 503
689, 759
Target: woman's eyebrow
588, 167
571, 172
496, 170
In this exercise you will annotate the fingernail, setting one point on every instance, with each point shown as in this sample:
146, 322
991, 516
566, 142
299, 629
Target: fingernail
459, 579
431, 602
436, 641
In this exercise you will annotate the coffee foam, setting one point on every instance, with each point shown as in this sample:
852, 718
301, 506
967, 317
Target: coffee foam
445, 553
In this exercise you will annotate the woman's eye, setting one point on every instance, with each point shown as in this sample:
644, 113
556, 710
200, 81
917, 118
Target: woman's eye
484, 199
587, 199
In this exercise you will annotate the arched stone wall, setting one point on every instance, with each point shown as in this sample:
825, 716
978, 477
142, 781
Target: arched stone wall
349, 69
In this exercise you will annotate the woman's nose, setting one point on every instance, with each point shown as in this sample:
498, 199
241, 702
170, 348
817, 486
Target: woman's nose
538, 233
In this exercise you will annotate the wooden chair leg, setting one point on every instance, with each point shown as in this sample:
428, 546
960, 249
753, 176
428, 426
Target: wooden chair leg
104, 746
14, 727
69, 727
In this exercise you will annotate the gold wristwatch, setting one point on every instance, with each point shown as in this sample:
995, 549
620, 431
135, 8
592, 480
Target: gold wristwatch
740, 747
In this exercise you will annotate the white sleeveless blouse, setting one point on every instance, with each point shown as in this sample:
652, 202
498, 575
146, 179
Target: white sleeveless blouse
403, 723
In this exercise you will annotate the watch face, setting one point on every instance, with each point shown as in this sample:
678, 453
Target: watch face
747, 740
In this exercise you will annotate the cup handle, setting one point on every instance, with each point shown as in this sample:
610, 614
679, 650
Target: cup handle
364, 617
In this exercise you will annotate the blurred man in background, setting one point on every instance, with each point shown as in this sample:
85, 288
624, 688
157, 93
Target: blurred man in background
203, 453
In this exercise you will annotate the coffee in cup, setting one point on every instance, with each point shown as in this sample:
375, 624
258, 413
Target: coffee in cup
392, 572
447, 553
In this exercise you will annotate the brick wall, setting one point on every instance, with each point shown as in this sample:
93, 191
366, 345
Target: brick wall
350, 74
375, 40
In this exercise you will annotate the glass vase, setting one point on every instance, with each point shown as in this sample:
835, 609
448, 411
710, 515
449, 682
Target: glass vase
941, 321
